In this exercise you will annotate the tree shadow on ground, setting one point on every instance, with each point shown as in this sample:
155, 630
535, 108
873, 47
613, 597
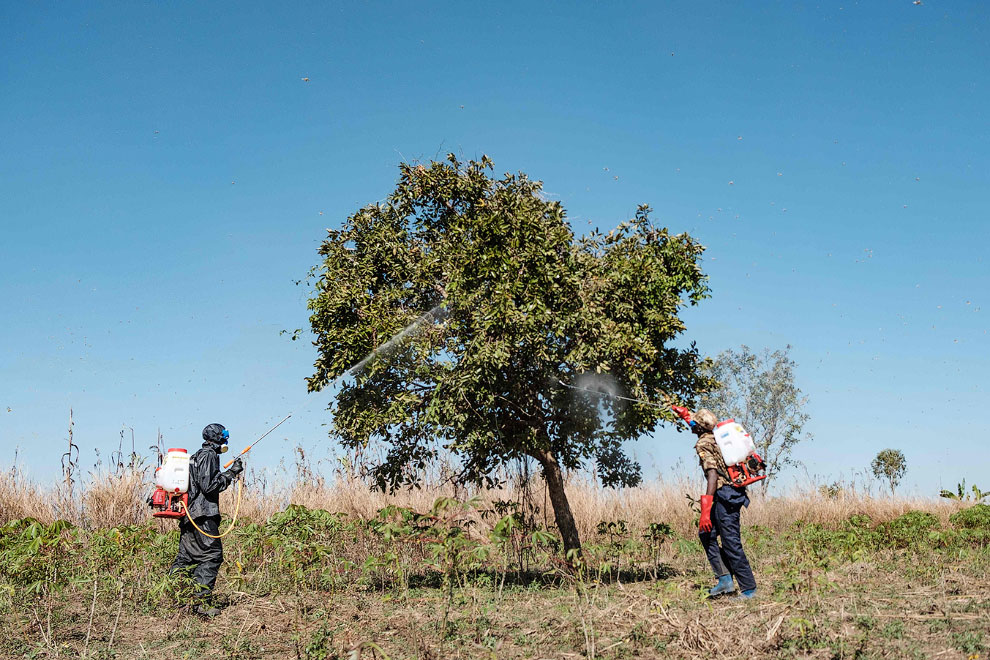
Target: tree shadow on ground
551, 578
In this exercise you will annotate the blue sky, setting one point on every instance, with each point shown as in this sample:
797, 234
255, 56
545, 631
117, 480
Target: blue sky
167, 174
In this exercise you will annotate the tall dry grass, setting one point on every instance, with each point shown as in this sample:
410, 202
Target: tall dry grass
102, 500
105, 499
655, 501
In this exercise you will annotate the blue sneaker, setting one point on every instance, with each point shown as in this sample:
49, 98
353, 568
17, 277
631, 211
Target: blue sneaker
724, 586
745, 595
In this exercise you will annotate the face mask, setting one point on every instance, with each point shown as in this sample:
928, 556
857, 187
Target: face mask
225, 436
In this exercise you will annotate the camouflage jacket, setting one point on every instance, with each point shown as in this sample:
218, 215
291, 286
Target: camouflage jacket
710, 458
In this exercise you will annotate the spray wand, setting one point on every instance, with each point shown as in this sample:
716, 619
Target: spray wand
248, 448
681, 411
240, 486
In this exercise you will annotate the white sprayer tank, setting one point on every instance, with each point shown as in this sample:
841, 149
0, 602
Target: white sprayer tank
734, 442
173, 475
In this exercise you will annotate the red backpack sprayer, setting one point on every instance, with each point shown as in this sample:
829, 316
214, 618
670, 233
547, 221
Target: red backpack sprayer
171, 499
742, 462
171, 496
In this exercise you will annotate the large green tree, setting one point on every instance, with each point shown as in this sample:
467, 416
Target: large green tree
504, 302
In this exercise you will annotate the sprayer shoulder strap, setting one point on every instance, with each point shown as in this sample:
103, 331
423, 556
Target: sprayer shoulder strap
197, 465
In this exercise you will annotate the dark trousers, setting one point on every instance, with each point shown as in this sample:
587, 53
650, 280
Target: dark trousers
200, 552
730, 556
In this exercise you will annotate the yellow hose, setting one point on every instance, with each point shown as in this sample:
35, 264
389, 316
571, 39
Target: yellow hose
237, 507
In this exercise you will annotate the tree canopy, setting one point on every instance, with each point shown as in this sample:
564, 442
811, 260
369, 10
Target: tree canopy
505, 303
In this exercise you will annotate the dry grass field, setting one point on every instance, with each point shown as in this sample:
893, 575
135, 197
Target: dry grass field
323, 570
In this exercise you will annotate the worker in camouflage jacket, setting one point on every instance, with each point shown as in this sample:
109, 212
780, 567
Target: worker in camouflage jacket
720, 507
198, 552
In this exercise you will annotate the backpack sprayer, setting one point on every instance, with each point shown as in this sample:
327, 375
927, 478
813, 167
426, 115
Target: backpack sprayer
743, 464
171, 496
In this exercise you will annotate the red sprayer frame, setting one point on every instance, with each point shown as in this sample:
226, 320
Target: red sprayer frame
164, 505
747, 472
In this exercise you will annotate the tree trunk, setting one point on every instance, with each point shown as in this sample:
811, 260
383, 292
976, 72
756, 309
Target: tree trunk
558, 498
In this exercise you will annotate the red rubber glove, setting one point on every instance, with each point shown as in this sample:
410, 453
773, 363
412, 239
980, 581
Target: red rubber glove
683, 412
705, 524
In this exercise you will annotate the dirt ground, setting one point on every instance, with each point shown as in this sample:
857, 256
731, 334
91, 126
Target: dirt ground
920, 609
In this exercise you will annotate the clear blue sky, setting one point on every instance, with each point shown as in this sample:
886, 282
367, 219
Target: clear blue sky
166, 174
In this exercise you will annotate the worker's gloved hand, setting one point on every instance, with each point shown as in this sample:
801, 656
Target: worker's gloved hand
705, 524
236, 467
683, 412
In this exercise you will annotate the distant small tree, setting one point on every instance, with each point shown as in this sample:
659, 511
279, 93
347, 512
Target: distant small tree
758, 391
889, 465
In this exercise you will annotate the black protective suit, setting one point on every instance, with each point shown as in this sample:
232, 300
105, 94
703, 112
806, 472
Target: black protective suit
206, 482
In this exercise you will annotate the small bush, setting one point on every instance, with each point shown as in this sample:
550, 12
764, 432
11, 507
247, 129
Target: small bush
35, 556
859, 521
909, 530
975, 517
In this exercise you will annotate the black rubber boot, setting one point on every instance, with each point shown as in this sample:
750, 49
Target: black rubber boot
207, 611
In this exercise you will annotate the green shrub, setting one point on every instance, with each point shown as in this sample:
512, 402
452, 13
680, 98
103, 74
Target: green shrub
975, 517
909, 530
37, 557
294, 549
859, 521
853, 541
857, 537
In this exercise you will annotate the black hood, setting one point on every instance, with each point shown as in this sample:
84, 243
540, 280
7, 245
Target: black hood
212, 433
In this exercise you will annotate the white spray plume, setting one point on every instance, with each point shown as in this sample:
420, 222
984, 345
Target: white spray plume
438, 313
600, 384
604, 385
